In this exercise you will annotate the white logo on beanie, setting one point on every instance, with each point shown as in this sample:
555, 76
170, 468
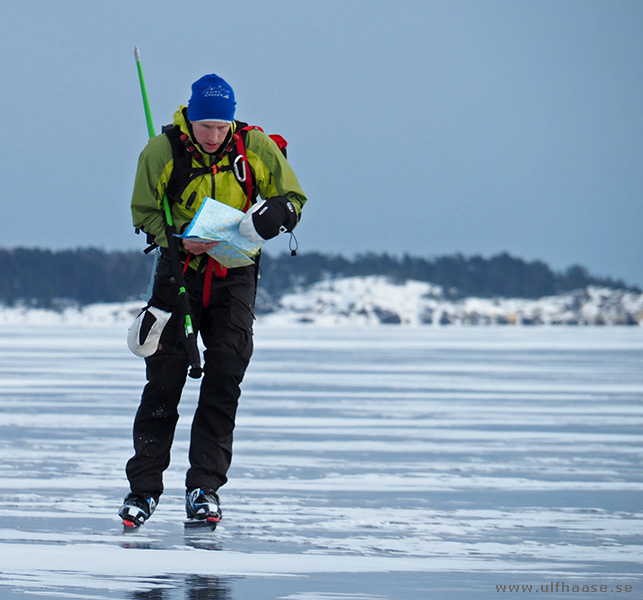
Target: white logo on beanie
216, 92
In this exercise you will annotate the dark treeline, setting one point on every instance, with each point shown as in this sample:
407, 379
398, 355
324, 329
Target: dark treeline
460, 276
48, 279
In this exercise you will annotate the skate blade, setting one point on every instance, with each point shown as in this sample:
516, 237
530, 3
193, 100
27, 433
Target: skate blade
210, 523
130, 525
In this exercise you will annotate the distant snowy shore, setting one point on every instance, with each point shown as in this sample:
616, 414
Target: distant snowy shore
375, 300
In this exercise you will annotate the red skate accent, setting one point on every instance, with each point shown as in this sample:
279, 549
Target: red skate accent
128, 523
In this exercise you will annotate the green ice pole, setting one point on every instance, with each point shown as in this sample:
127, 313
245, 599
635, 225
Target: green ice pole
150, 124
146, 104
194, 356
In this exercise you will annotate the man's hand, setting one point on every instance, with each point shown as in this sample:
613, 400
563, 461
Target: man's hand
197, 248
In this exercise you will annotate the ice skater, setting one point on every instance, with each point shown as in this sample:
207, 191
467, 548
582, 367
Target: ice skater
207, 153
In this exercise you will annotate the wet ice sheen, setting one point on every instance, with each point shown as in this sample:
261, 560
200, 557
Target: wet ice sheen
386, 463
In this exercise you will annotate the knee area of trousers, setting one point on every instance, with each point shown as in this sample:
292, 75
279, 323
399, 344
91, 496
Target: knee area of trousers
224, 364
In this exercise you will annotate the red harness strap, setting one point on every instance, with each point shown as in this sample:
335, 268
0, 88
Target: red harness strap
219, 270
241, 151
213, 266
187, 264
237, 141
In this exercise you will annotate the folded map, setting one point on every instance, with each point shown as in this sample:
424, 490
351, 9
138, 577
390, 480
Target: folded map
218, 222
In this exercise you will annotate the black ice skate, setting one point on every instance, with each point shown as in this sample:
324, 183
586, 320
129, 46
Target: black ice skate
202, 508
137, 508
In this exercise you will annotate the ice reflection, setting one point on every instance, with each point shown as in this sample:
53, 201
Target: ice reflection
191, 587
198, 587
155, 594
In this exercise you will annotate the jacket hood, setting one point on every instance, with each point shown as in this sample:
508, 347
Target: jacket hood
180, 119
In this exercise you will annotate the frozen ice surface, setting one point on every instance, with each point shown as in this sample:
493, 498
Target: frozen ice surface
380, 463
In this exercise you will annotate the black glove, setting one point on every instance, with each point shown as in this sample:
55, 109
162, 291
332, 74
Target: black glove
267, 219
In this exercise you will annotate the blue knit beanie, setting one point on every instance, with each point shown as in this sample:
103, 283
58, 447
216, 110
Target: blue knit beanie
212, 100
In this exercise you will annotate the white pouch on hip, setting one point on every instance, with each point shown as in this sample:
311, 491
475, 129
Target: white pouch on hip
145, 332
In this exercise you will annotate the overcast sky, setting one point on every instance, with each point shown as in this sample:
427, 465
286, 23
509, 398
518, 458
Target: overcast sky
423, 127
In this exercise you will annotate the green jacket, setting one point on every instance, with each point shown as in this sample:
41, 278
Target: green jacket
272, 174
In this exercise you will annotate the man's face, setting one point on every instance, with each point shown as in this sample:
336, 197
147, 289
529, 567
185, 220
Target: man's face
210, 134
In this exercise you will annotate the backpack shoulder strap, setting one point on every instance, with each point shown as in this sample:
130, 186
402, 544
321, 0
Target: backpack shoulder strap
182, 163
241, 166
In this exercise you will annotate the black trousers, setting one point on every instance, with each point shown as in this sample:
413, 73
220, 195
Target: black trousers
225, 327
